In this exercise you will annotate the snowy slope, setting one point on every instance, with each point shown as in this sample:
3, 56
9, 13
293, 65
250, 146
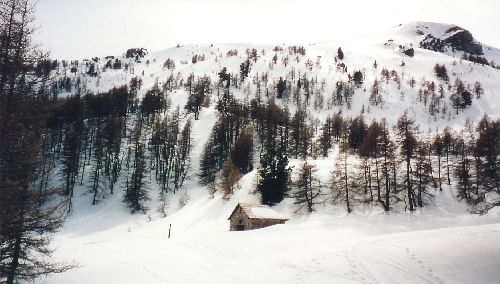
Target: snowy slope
360, 54
301, 256
441, 243
427, 247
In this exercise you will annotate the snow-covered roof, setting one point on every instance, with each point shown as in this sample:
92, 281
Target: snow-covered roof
258, 212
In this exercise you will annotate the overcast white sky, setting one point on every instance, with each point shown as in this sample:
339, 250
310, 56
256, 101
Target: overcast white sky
84, 28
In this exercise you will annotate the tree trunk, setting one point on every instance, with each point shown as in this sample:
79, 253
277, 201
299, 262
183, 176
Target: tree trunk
15, 260
346, 186
448, 165
439, 173
408, 184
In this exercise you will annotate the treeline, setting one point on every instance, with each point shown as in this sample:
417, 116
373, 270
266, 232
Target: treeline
89, 128
113, 138
399, 165
394, 166
298, 86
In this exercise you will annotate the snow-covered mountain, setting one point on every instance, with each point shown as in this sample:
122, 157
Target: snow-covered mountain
386, 48
440, 243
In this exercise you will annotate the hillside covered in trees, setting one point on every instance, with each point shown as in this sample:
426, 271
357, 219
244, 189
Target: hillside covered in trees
397, 124
398, 118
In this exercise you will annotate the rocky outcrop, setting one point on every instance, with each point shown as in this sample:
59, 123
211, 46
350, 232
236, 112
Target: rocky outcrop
455, 39
462, 40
